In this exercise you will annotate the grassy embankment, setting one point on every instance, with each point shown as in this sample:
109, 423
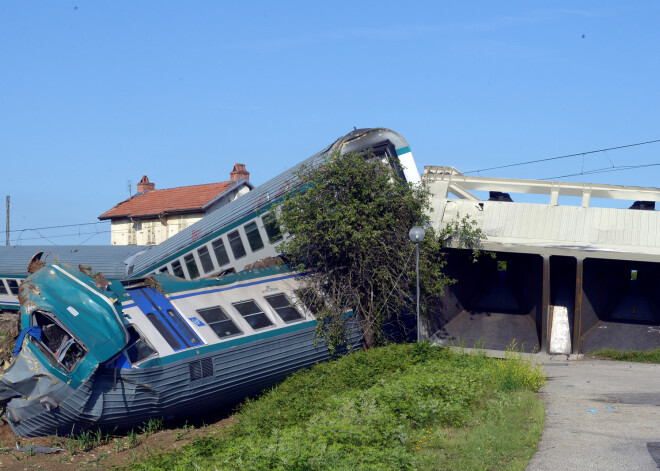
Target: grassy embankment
646, 356
396, 407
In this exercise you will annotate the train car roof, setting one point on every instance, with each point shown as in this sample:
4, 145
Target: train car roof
234, 212
111, 260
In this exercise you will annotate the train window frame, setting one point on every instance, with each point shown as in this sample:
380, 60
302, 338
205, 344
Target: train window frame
13, 286
250, 236
65, 340
231, 238
212, 324
164, 270
191, 262
291, 306
216, 245
3, 287
269, 222
254, 314
163, 331
208, 266
132, 341
180, 267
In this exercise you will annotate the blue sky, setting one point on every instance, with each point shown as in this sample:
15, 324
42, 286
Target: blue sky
95, 94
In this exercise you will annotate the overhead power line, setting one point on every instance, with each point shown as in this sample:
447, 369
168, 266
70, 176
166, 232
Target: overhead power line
58, 227
603, 170
548, 159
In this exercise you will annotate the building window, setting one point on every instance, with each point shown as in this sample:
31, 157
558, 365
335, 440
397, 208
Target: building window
205, 258
219, 321
220, 252
283, 307
13, 287
177, 269
271, 227
236, 244
191, 264
253, 314
253, 236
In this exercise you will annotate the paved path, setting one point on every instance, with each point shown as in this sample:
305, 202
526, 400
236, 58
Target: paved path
600, 415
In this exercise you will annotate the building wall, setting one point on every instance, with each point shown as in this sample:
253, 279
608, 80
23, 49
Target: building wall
150, 231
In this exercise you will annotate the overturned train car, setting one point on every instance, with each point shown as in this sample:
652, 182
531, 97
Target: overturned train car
112, 355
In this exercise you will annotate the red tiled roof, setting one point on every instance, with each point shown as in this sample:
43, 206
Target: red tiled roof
182, 199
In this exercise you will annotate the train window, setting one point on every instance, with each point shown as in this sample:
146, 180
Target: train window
3, 290
183, 327
311, 299
220, 252
164, 270
191, 264
205, 258
59, 345
138, 349
236, 244
177, 269
219, 321
271, 227
13, 287
163, 331
283, 307
253, 314
253, 236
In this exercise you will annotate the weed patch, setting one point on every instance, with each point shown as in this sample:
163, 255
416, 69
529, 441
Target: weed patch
397, 407
638, 356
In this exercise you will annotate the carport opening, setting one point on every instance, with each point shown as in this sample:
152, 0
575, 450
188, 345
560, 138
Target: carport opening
494, 302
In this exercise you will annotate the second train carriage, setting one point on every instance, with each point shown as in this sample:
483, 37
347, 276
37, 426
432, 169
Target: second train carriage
112, 356
227, 240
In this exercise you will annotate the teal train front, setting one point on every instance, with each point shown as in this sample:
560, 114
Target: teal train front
110, 355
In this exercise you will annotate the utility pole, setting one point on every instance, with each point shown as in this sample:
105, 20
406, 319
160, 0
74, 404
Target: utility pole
7, 220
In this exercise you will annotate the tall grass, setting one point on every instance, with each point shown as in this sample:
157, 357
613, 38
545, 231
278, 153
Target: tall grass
395, 407
639, 356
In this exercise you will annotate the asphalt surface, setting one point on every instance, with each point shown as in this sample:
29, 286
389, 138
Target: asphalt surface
600, 415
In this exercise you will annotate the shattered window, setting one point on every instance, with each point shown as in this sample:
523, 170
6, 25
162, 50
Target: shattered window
219, 321
283, 307
177, 269
163, 331
191, 264
205, 258
138, 349
62, 348
13, 287
253, 236
220, 252
253, 314
236, 244
3, 290
272, 228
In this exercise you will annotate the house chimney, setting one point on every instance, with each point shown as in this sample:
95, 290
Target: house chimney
239, 172
145, 185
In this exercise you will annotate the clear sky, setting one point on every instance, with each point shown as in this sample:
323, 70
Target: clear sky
94, 94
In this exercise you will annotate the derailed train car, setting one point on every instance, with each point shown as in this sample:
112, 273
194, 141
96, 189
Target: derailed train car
110, 355
167, 339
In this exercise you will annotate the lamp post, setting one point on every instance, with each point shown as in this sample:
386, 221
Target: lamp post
416, 235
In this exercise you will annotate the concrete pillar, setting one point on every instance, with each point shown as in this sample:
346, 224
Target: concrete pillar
545, 304
577, 320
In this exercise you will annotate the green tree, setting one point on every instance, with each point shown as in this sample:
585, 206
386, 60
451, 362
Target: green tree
348, 229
